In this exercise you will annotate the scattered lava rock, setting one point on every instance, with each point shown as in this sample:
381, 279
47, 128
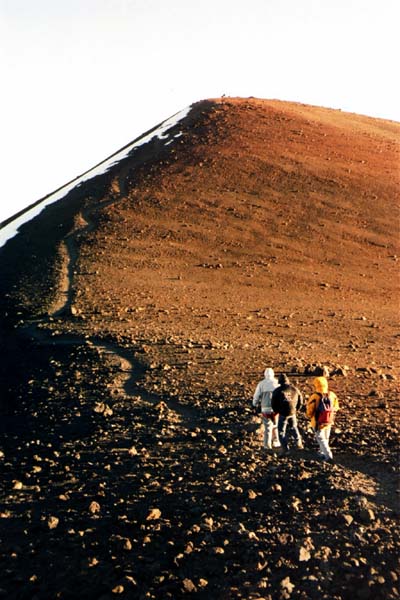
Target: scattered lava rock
131, 461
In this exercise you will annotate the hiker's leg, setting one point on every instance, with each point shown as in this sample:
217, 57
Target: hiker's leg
327, 431
296, 432
323, 441
282, 425
267, 432
275, 435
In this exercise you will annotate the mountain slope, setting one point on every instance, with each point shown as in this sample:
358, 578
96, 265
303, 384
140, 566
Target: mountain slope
284, 197
250, 233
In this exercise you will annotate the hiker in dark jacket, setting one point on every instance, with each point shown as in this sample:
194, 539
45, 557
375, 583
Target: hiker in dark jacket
286, 401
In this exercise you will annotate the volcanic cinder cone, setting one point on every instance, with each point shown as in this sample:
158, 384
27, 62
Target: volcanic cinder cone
141, 304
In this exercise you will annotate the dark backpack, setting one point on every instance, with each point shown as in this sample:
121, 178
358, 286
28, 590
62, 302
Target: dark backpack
325, 413
287, 403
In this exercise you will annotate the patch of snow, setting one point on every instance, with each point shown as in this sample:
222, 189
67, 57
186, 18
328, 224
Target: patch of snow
12, 229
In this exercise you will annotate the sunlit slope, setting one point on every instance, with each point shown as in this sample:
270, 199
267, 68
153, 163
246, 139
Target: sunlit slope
260, 223
260, 206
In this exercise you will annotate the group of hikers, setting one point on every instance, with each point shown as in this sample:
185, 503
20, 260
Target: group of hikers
278, 401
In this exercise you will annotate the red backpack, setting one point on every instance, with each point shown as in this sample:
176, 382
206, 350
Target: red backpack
325, 413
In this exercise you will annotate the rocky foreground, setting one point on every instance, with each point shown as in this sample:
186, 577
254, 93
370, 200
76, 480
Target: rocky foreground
108, 491
138, 315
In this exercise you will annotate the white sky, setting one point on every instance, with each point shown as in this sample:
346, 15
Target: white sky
82, 78
162, 132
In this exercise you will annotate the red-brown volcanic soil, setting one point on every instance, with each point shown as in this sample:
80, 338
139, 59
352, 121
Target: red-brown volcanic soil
139, 315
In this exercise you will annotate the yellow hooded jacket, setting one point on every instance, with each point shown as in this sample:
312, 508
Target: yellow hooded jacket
321, 387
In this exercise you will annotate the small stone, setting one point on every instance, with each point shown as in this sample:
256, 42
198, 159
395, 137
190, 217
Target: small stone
208, 523
52, 522
127, 544
296, 504
17, 485
341, 371
276, 487
119, 589
188, 585
324, 553
154, 514
189, 548
305, 475
287, 585
108, 412
94, 507
304, 554
348, 519
252, 494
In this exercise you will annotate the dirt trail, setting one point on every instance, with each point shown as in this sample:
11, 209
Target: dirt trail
129, 371
127, 383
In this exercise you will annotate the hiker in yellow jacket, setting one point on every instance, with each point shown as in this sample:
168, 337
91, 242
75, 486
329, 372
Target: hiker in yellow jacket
321, 408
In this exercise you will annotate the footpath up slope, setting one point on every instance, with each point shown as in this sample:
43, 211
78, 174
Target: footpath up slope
140, 312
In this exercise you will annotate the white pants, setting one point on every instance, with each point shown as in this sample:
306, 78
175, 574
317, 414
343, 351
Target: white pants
270, 430
322, 436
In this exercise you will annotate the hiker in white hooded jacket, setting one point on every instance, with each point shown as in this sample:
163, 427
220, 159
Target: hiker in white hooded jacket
262, 397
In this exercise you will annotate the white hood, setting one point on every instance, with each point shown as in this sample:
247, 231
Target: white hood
270, 382
269, 373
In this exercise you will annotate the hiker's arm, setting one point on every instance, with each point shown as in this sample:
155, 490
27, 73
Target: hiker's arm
336, 406
275, 402
310, 407
257, 394
300, 401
